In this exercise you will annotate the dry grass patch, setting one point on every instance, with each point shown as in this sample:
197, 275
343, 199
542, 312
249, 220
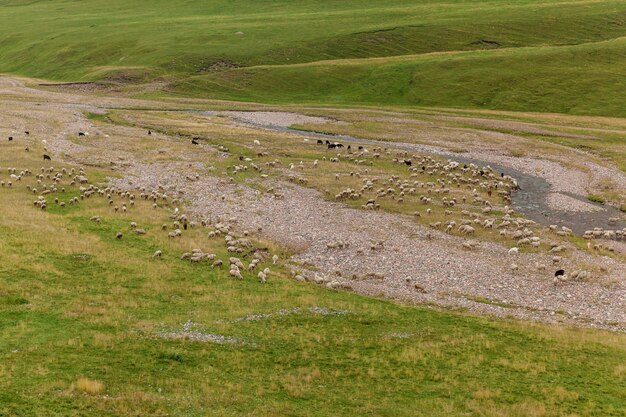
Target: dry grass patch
88, 386
620, 371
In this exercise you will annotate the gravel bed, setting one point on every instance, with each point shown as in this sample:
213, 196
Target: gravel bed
563, 202
188, 332
274, 118
320, 311
413, 267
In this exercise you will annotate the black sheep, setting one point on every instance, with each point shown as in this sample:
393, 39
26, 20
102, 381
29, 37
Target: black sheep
320, 142
81, 133
46, 158
10, 138
194, 141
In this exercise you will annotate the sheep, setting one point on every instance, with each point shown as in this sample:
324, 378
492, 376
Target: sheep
119, 235
466, 229
262, 277
559, 276
274, 259
253, 264
514, 251
157, 254
557, 249
234, 272
470, 245
237, 262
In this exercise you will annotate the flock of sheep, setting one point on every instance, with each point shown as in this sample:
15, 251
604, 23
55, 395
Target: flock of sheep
50, 184
460, 199
470, 198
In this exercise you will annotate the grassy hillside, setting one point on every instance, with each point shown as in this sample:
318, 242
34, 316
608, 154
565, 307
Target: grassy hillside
582, 79
531, 61
91, 325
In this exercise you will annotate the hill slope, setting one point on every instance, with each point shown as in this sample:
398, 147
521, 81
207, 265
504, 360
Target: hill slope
540, 55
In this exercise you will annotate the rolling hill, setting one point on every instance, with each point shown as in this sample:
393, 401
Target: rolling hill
516, 55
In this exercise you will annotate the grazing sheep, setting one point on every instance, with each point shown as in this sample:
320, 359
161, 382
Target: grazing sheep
580, 275
514, 251
470, 245
262, 277
253, 264
466, 229
157, 254
119, 236
234, 272
560, 276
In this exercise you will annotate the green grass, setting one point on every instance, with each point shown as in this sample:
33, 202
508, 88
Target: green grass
515, 55
579, 79
81, 315
595, 199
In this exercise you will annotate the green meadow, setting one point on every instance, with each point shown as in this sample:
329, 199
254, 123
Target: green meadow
525, 55
92, 325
